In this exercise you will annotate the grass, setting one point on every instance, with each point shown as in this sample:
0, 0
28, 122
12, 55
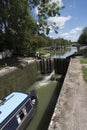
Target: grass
83, 61
83, 51
84, 68
44, 51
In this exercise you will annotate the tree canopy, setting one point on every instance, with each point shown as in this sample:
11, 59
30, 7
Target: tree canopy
83, 37
19, 30
46, 9
16, 24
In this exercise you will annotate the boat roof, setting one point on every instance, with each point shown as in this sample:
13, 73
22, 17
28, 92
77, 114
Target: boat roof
11, 102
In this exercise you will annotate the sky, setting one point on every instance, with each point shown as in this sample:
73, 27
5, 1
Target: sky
72, 19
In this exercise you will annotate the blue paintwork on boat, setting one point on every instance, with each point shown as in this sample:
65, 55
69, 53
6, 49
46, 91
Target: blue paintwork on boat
11, 102
17, 109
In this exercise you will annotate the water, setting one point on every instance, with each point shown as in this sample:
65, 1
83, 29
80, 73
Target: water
70, 52
48, 92
47, 95
45, 81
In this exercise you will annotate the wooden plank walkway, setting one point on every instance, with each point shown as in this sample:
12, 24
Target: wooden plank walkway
71, 108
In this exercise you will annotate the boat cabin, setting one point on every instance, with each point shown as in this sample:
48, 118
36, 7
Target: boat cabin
16, 110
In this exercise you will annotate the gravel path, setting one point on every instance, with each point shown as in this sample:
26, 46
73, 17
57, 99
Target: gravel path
71, 109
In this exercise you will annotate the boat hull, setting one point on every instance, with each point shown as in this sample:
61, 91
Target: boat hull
21, 116
27, 120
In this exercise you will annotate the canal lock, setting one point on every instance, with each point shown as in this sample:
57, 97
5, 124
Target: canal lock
53, 71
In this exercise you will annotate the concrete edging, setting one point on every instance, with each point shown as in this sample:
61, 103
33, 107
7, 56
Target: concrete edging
63, 116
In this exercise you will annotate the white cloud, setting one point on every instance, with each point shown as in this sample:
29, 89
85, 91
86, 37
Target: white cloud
75, 30
60, 21
72, 35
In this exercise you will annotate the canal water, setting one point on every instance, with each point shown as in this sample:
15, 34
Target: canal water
71, 51
48, 92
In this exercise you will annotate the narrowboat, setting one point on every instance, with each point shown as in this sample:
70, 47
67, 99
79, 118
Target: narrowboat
17, 109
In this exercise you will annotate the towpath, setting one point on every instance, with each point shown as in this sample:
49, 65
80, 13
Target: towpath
71, 108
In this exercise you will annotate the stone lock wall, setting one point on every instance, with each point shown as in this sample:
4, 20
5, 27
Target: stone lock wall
18, 78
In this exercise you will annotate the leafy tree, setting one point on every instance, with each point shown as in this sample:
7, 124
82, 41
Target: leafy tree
83, 37
46, 9
16, 24
19, 23
18, 30
3, 21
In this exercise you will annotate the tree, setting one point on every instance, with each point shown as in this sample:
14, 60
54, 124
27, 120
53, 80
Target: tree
3, 22
83, 37
18, 29
16, 24
46, 9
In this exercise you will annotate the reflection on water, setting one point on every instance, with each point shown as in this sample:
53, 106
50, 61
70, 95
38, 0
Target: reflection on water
70, 52
47, 95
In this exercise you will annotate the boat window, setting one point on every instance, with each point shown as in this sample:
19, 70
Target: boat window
24, 111
21, 115
18, 119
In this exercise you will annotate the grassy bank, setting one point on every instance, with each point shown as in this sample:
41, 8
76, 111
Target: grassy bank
84, 68
49, 50
84, 61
